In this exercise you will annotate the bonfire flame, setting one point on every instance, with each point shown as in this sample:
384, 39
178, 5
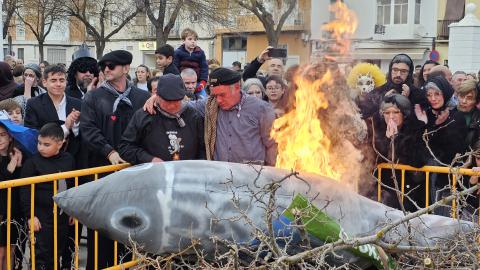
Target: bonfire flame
342, 28
302, 144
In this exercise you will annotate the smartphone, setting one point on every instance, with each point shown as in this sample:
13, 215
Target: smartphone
277, 53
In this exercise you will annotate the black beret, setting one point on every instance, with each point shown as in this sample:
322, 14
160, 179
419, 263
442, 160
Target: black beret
170, 87
224, 76
119, 57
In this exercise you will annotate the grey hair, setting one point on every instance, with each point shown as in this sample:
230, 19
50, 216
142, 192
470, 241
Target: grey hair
250, 82
399, 101
432, 85
188, 72
459, 73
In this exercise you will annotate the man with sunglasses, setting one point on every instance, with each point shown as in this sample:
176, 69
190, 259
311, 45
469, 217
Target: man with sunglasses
82, 73
106, 112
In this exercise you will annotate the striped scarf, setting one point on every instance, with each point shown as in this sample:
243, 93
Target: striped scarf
211, 113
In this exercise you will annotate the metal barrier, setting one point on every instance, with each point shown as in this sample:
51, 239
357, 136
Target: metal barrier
112, 168
53, 178
427, 170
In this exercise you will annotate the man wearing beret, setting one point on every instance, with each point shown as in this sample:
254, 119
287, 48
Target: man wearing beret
174, 133
237, 126
106, 112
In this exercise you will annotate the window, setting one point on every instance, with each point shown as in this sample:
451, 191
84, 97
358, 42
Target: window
56, 56
400, 12
398, 9
20, 31
234, 43
21, 53
418, 3
383, 11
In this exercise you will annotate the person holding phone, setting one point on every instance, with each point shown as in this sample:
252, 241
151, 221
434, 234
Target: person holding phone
273, 57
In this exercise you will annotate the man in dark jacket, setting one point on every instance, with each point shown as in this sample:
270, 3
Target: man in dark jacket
56, 106
82, 73
399, 81
175, 133
275, 66
106, 112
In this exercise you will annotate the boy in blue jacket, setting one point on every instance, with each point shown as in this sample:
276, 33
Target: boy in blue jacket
189, 55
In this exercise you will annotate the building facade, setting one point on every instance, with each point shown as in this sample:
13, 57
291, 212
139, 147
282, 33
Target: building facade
385, 28
245, 38
64, 38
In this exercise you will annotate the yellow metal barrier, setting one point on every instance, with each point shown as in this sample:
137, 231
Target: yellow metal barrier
32, 181
53, 178
427, 170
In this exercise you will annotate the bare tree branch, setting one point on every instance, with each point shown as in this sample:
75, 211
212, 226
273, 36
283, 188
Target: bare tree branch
94, 14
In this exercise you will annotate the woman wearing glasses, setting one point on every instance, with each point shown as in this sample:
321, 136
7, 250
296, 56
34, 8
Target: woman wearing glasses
447, 130
276, 92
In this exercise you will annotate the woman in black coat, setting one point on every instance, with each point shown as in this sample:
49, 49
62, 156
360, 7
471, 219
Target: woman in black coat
398, 140
447, 130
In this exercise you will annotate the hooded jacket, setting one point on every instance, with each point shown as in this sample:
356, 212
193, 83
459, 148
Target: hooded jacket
7, 84
369, 105
448, 138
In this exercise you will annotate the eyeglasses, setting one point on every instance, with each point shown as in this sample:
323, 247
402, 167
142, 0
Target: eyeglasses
274, 87
110, 66
30, 75
401, 71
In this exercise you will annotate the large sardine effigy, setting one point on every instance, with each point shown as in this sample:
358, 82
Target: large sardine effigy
162, 206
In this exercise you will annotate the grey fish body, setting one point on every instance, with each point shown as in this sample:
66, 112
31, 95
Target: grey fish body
162, 206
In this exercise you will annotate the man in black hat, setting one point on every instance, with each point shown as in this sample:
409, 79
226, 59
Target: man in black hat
174, 133
237, 126
106, 112
82, 73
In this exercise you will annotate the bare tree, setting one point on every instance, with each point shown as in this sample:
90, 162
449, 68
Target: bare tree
39, 17
102, 19
9, 7
162, 25
271, 21
163, 14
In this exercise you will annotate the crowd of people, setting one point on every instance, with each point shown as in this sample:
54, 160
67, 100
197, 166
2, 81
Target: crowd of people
424, 116
95, 114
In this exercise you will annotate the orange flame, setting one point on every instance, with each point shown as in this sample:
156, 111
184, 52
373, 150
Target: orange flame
342, 28
302, 144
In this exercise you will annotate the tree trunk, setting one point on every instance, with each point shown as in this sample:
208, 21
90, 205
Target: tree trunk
161, 38
272, 39
40, 51
100, 47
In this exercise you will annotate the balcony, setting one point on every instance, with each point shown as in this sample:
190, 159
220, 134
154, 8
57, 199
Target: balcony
399, 32
443, 31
